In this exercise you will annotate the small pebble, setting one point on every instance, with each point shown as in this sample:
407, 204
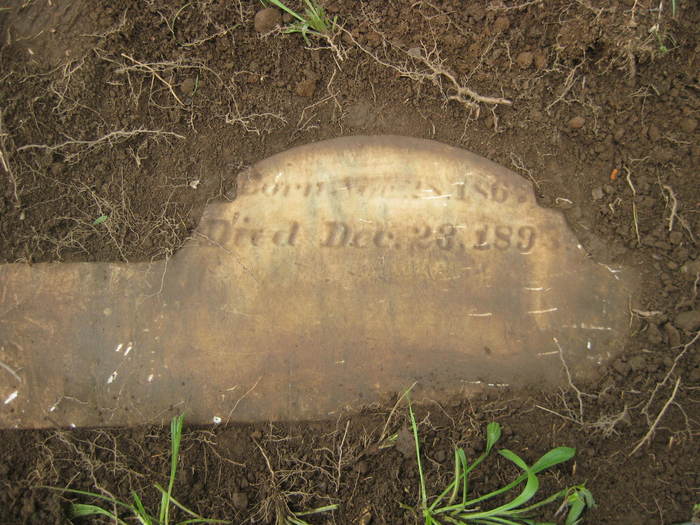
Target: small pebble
691, 269
501, 24
361, 467
688, 124
688, 321
675, 237
653, 133
577, 122
187, 86
525, 59
674, 337
540, 60
240, 500
597, 193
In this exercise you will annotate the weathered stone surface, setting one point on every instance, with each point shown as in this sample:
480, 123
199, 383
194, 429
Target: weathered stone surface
341, 272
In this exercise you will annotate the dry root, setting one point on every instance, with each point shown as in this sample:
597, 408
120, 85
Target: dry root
5, 161
80, 147
433, 71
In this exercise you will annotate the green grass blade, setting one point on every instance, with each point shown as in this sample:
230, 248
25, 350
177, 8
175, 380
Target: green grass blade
141, 510
551, 499
553, 457
453, 486
283, 7
175, 438
460, 458
316, 16
91, 495
319, 510
578, 499
201, 520
81, 510
414, 426
575, 511
528, 492
493, 434
465, 475
495, 519
197, 518
550, 459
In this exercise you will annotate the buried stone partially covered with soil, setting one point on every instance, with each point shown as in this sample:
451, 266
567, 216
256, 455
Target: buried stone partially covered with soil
120, 124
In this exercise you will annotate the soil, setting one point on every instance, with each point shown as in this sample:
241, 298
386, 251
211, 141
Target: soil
120, 121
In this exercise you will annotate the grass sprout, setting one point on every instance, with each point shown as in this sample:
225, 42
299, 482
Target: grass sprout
695, 519
455, 506
313, 22
137, 509
294, 518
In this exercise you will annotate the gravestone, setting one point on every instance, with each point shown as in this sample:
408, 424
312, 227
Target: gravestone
341, 272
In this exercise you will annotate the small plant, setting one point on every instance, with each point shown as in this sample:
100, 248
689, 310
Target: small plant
294, 518
695, 519
314, 21
455, 506
137, 509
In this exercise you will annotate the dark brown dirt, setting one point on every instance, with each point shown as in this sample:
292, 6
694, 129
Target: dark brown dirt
605, 103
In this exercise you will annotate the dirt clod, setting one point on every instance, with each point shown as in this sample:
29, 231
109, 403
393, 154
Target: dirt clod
361, 467
576, 122
673, 336
653, 133
187, 86
525, 59
267, 19
540, 60
688, 321
654, 334
691, 270
405, 443
306, 88
240, 500
688, 124
501, 24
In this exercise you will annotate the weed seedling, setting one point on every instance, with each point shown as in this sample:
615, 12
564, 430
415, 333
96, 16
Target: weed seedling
695, 519
137, 509
314, 21
455, 505
295, 518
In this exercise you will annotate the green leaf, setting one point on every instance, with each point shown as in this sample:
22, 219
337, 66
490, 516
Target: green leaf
140, 510
92, 495
319, 510
579, 499
81, 510
575, 511
175, 438
414, 426
553, 457
100, 220
197, 518
493, 434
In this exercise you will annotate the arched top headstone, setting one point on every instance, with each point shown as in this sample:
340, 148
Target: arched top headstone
342, 271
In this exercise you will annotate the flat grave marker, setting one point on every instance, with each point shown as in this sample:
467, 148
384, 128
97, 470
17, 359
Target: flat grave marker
342, 271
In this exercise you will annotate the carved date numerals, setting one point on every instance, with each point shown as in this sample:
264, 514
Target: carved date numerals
484, 237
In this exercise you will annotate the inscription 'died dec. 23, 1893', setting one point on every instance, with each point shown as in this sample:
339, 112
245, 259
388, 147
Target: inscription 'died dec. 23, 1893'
341, 272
